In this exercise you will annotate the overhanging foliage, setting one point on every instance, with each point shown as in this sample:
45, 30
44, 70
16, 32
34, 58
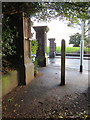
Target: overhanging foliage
48, 10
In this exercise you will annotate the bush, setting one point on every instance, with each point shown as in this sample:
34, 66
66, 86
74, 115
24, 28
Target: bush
8, 46
34, 47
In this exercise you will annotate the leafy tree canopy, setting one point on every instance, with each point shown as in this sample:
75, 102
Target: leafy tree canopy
48, 10
76, 38
15, 7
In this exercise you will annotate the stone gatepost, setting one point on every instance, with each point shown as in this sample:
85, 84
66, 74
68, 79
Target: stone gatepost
23, 58
41, 36
52, 48
29, 67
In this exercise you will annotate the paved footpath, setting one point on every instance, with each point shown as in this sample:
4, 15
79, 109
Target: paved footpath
45, 98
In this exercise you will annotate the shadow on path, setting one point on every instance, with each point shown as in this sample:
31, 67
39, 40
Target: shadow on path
45, 98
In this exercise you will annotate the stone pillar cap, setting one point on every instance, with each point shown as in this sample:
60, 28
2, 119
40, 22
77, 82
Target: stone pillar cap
43, 28
51, 39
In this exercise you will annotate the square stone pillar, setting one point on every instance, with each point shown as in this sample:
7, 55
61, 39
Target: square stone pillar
29, 67
41, 36
52, 48
22, 58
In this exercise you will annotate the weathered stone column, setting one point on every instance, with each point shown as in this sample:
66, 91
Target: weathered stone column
23, 59
41, 36
52, 48
29, 67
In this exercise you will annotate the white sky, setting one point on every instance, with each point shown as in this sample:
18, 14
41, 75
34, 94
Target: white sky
58, 30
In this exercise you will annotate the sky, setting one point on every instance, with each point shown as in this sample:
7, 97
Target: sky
58, 30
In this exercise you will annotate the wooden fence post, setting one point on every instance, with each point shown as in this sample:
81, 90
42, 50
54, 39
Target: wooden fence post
63, 62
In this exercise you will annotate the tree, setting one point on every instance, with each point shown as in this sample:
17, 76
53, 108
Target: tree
75, 40
8, 36
16, 7
87, 42
48, 10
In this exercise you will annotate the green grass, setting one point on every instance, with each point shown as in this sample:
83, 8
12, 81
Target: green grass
69, 49
87, 50
72, 49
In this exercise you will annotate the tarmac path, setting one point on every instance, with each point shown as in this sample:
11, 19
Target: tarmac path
45, 98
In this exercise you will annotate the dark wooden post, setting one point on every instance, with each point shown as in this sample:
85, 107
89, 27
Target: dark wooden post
63, 62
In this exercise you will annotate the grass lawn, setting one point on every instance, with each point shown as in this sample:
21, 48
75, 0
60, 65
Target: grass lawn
70, 49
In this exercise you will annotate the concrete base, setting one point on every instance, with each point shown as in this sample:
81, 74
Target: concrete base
29, 72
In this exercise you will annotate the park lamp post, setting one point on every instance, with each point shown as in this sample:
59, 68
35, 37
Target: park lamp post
82, 45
